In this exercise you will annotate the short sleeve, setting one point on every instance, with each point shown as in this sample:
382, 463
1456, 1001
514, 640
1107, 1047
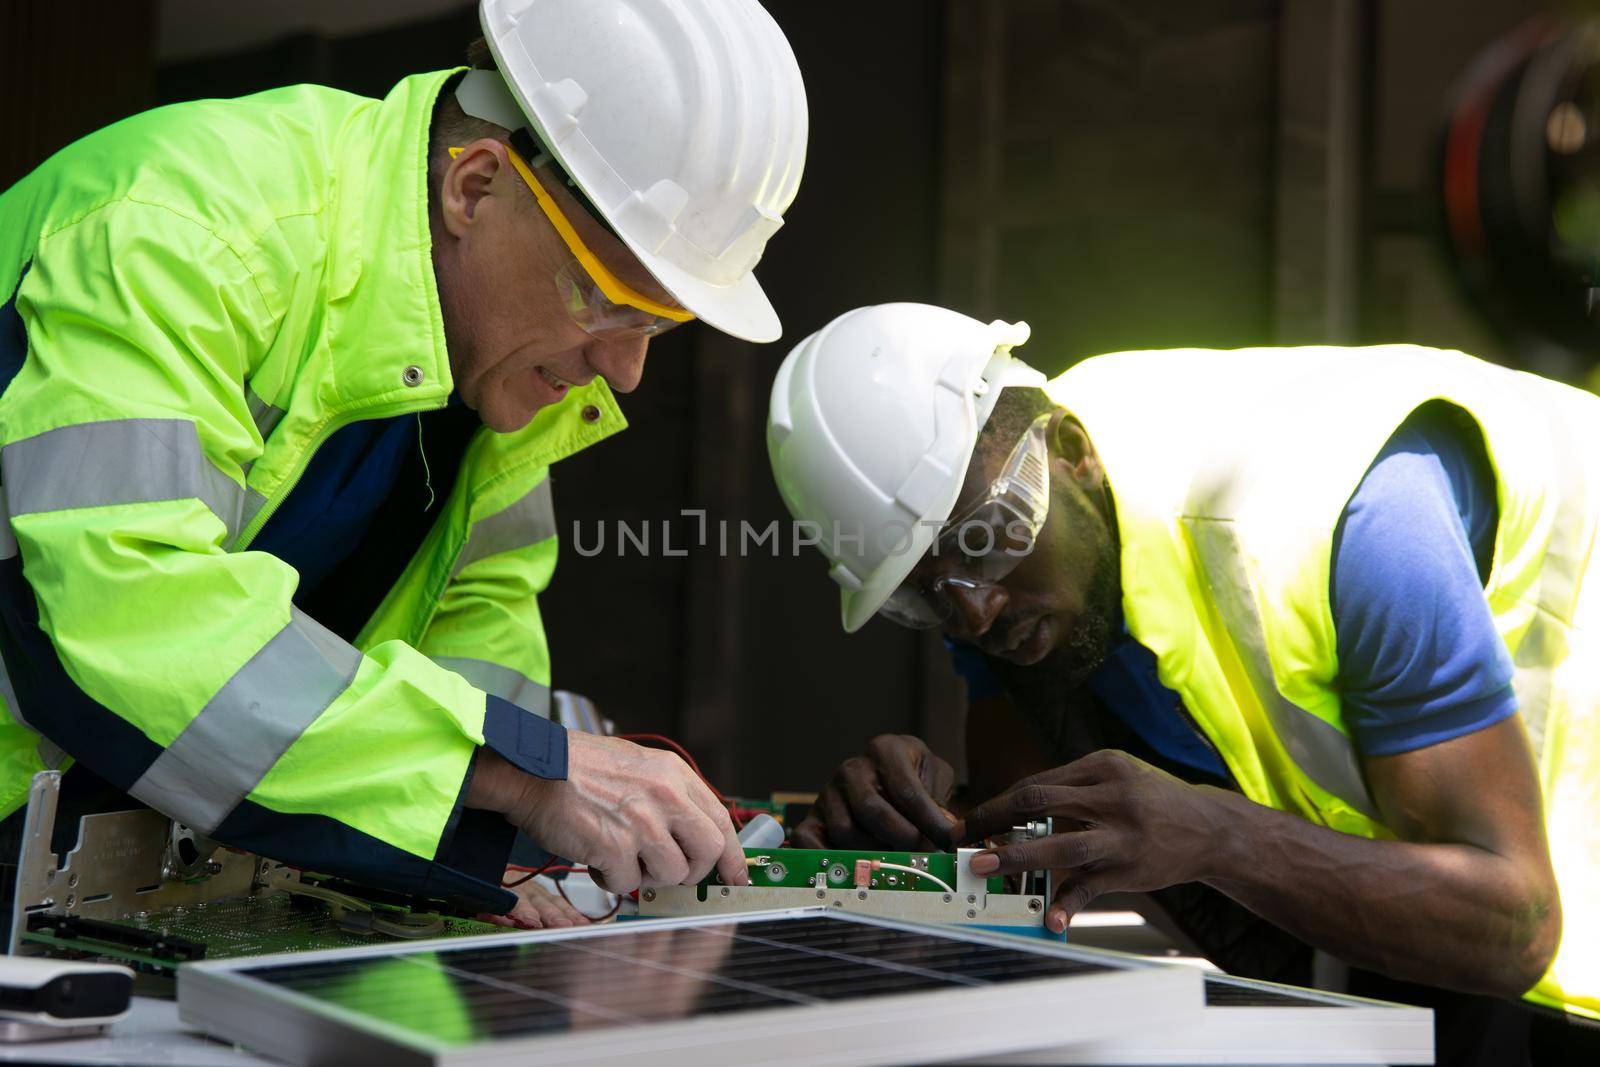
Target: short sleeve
1420, 660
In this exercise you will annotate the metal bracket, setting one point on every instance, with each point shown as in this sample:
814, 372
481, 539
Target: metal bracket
122, 865
987, 909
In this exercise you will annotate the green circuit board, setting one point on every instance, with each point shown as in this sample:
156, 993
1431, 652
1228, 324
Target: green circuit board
800, 868
158, 941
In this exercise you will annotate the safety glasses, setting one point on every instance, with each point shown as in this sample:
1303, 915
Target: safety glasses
984, 543
602, 304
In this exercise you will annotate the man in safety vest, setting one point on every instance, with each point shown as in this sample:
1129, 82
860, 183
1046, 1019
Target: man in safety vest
284, 377
1344, 588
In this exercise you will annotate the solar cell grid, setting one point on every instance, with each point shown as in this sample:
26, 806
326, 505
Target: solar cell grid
653, 975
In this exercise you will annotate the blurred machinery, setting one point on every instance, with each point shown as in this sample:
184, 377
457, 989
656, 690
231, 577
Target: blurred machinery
1520, 183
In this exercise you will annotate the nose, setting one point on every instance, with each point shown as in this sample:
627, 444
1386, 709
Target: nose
974, 610
620, 362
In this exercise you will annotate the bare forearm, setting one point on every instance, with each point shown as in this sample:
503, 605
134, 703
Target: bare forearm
1446, 914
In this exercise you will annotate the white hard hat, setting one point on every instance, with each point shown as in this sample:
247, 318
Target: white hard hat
683, 122
872, 424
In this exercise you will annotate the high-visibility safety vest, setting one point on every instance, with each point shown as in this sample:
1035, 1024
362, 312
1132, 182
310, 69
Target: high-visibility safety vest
1229, 471
191, 301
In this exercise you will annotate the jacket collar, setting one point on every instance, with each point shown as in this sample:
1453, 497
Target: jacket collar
386, 329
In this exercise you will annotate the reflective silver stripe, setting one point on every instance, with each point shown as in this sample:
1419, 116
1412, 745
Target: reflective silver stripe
263, 414
8, 537
126, 461
252, 720
1317, 747
529, 520
253, 502
503, 682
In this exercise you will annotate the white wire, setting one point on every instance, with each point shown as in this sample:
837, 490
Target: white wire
935, 879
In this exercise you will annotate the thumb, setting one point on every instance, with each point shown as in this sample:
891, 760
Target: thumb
1072, 896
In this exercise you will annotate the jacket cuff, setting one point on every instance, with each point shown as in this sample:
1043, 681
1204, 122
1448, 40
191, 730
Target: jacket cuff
524, 740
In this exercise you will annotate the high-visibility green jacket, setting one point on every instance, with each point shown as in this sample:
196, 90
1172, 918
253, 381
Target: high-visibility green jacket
1229, 480
193, 300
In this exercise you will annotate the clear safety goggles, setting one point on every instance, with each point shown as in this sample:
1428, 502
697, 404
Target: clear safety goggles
601, 303
985, 542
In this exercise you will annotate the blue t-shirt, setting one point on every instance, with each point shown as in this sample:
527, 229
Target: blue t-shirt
1420, 660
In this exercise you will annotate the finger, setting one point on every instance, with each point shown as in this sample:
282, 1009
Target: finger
1071, 897
525, 916
809, 834
875, 815
724, 853
1022, 803
556, 912
617, 876
903, 784
662, 859
1068, 851
702, 843
495, 920
842, 832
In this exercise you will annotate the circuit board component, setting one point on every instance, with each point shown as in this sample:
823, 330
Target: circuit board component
800, 868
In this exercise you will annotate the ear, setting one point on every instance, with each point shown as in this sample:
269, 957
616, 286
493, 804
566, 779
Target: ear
468, 180
1072, 454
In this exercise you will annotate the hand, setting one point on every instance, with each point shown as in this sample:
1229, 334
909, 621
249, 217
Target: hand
1132, 828
537, 908
635, 816
892, 797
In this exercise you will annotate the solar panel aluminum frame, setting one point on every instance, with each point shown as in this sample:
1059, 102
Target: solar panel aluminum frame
935, 1026
1335, 1028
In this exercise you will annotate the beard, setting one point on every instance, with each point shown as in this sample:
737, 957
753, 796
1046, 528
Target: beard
1084, 648
1050, 694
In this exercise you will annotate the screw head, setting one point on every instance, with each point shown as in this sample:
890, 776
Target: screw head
948, 898
647, 895
972, 898
1035, 905
214, 866
726, 891
972, 913
72, 900
861, 894
822, 894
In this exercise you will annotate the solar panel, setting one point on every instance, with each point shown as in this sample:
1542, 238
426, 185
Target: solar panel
811, 986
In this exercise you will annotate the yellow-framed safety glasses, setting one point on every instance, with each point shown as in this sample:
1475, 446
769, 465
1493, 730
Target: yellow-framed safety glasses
598, 301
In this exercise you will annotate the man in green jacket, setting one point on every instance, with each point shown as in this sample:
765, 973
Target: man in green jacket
260, 566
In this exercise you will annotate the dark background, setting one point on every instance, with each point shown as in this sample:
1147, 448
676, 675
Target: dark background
1120, 173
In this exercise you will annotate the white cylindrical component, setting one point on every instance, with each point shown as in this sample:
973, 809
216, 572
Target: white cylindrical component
763, 831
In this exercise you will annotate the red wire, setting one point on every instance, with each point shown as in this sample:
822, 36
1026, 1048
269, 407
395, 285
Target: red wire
530, 876
661, 739
592, 918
